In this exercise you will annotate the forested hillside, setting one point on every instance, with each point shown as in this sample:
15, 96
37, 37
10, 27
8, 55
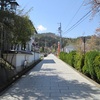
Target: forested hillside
49, 41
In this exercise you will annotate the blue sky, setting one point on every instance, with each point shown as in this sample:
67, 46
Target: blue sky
47, 14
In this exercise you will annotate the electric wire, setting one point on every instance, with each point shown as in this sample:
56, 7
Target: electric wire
78, 22
74, 15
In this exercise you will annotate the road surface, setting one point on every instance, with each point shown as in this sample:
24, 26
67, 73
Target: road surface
52, 79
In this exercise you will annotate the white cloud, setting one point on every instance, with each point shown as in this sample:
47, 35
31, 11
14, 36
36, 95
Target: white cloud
41, 28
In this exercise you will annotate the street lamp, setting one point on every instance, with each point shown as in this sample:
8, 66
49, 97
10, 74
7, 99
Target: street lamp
8, 5
14, 5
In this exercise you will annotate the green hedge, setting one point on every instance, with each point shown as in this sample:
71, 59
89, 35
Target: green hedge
62, 56
79, 61
88, 67
89, 63
68, 57
97, 67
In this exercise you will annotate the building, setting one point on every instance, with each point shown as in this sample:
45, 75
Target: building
69, 48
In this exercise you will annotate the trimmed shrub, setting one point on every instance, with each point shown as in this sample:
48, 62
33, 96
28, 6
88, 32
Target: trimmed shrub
89, 63
71, 58
79, 61
97, 67
62, 55
88, 67
68, 57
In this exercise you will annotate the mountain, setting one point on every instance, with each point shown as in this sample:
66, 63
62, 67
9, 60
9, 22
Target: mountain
49, 41
52, 35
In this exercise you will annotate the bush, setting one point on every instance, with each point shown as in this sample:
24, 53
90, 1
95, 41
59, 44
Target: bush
79, 61
68, 57
97, 67
62, 55
88, 67
89, 63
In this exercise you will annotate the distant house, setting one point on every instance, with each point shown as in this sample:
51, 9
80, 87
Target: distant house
69, 48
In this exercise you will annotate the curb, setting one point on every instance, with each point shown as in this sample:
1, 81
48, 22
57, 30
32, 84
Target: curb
92, 81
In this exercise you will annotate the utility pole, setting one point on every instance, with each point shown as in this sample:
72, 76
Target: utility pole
84, 40
45, 43
60, 31
45, 48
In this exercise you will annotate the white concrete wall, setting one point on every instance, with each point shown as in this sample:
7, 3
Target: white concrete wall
11, 58
18, 59
37, 55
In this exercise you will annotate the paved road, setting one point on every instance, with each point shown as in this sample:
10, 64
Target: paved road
52, 79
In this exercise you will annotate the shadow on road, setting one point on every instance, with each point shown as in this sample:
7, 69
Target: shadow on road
47, 84
36, 88
48, 61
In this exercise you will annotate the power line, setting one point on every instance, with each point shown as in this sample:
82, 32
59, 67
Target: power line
77, 24
79, 21
74, 15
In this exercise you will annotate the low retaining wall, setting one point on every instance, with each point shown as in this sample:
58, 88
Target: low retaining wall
6, 83
18, 59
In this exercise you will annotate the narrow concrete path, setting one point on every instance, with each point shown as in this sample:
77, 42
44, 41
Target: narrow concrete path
52, 79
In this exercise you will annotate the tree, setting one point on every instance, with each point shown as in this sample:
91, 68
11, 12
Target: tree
95, 6
79, 45
6, 22
23, 30
18, 29
92, 43
98, 32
